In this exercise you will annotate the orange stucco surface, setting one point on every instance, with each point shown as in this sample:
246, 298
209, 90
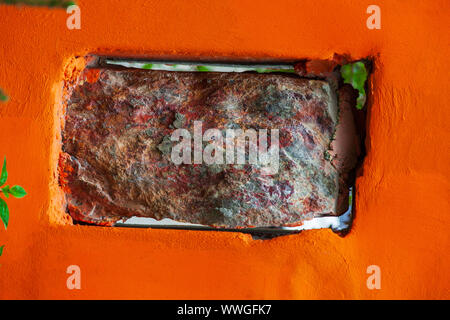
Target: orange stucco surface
402, 200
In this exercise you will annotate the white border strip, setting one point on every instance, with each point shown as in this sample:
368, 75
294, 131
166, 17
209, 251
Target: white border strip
339, 223
200, 67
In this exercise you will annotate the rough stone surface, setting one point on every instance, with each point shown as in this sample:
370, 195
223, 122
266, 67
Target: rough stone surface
116, 161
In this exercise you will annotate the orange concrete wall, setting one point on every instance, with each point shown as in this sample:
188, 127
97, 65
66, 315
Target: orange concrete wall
402, 221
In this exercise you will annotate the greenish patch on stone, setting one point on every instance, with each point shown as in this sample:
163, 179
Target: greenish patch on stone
149, 132
215, 168
165, 146
276, 102
180, 119
327, 155
229, 208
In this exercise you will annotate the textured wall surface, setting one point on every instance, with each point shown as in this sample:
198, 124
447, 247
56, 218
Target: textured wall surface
402, 199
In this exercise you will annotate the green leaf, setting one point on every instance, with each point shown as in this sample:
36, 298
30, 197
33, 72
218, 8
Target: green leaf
4, 212
1, 249
3, 97
48, 3
355, 74
270, 70
285, 70
6, 191
147, 66
202, 68
69, 3
361, 100
4, 174
17, 191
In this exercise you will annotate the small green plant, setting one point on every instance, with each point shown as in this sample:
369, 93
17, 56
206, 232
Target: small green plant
355, 74
15, 191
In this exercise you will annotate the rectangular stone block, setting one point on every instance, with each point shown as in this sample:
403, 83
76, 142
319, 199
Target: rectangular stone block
158, 144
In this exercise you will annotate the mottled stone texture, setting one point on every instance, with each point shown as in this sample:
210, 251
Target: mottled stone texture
116, 162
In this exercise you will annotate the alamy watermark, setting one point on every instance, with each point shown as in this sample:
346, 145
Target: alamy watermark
227, 147
374, 280
74, 20
374, 20
74, 280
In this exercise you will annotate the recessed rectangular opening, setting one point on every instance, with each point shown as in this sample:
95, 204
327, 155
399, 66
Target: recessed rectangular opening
266, 149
